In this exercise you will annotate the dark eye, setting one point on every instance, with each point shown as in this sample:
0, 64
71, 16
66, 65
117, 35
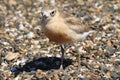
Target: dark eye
52, 13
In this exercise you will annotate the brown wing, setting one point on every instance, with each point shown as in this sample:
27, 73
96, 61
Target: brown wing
76, 25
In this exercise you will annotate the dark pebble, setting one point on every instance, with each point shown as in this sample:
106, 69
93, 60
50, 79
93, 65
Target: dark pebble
103, 68
84, 78
114, 75
117, 64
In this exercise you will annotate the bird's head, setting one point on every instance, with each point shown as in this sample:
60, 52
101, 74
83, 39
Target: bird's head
48, 13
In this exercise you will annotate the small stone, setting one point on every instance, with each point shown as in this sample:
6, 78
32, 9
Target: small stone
99, 78
10, 56
12, 2
30, 35
21, 27
103, 67
114, 75
80, 1
84, 78
110, 50
105, 77
6, 74
0, 59
117, 63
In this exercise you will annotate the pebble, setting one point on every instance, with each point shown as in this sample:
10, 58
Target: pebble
103, 68
10, 56
30, 35
114, 75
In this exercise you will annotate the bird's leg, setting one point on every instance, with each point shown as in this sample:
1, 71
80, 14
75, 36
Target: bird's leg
81, 51
62, 57
79, 62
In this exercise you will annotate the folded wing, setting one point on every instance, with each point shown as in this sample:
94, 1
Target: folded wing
76, 25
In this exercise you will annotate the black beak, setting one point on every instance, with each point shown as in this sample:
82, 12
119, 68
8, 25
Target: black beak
43, 16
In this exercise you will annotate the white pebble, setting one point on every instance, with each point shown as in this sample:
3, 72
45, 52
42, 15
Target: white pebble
58, 55
21, 27
30, 35
5, 43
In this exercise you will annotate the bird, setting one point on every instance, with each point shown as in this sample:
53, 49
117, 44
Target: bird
61, 28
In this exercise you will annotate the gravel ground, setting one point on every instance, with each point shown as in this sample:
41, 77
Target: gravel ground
26, 53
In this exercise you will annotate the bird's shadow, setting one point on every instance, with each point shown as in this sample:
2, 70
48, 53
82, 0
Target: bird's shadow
44, 63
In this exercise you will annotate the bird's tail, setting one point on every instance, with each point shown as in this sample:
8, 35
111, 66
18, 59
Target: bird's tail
85, 34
